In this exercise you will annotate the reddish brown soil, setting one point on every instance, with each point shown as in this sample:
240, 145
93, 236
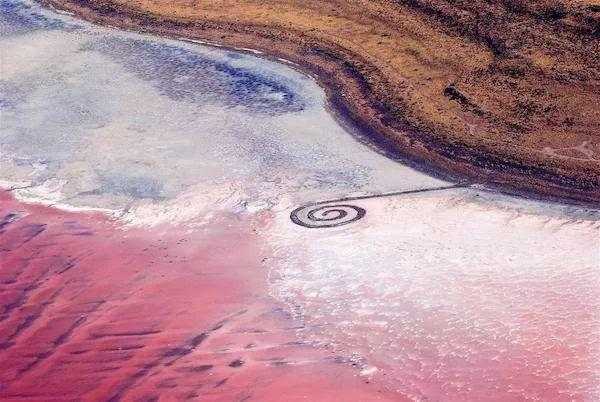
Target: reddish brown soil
92, 311
505, 93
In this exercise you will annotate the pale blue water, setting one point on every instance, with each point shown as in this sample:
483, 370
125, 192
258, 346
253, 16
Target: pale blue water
107, 119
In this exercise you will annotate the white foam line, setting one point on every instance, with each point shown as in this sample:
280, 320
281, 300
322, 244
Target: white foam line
63, 12
291, 63
242, 49
198, 41
71, 208
234, 48
245, 49
16, 187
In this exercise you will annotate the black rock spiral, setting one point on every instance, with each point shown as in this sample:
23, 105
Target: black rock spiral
326, 216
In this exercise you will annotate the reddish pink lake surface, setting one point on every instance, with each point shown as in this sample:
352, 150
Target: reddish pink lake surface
96, 312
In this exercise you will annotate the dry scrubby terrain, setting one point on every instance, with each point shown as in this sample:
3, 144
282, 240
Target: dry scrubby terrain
502, 92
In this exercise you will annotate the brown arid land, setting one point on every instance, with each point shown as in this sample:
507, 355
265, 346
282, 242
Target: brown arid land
502, 93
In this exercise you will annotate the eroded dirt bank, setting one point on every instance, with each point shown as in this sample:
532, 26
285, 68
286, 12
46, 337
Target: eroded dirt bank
503, 93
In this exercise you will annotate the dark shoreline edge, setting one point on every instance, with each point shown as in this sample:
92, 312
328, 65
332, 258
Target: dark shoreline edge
402, 142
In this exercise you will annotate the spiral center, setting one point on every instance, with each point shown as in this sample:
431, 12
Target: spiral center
325, 216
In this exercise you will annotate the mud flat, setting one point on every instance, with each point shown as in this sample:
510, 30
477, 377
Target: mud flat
503, 94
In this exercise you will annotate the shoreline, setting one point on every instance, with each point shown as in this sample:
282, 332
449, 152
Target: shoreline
352, 102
